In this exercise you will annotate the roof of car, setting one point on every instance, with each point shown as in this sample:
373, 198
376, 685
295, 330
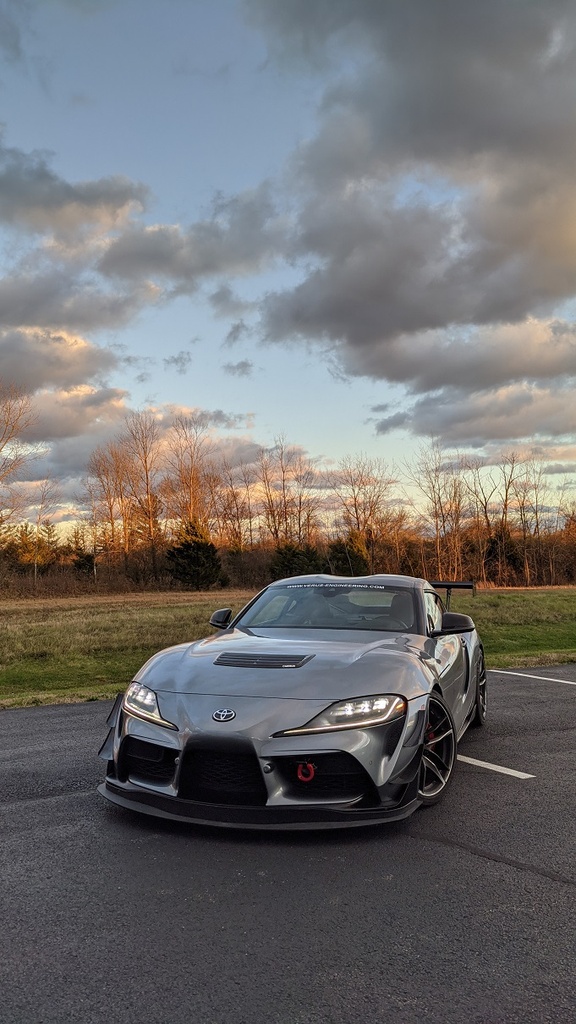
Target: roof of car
381, 579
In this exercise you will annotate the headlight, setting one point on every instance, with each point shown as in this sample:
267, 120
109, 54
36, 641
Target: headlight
352, 714
140, 701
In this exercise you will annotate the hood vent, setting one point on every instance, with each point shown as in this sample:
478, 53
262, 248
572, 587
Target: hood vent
234, 659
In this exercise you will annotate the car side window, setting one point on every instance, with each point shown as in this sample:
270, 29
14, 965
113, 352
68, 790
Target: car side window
434, 610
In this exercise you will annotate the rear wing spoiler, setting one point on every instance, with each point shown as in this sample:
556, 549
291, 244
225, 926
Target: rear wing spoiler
450, 585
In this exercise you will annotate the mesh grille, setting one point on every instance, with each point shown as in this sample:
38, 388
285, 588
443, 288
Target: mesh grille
337, 776
222, 778
147, 760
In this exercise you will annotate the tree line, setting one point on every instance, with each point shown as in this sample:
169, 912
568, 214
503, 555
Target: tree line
165, 507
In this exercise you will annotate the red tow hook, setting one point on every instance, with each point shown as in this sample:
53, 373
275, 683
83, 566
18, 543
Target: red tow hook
306, 772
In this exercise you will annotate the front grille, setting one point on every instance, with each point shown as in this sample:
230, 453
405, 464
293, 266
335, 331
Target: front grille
147, 761
217, 777
336, 776
233, 659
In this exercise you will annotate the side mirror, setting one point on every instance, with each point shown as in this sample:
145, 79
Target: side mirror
221, 618
453, 622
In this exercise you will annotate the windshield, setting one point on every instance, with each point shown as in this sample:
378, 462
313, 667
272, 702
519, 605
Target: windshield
332, 606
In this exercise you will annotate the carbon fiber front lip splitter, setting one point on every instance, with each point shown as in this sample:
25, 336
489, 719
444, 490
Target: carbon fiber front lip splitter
223, 816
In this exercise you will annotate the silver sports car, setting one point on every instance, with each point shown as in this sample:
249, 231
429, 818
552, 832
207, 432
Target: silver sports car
327, 701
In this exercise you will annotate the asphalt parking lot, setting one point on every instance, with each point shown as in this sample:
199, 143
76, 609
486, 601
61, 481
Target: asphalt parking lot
464, 914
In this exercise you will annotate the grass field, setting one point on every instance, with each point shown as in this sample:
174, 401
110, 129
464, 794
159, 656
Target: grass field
58, 650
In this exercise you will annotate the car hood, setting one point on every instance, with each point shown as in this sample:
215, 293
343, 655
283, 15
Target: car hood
298, 664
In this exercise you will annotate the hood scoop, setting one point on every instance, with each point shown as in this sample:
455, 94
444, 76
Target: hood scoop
235, 659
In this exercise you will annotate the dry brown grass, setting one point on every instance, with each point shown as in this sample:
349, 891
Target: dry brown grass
56, 650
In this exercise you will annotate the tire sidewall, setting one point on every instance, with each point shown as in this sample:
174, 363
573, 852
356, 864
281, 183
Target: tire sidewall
429, 801
480, 712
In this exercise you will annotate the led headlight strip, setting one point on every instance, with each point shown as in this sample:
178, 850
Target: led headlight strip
142, 702
354, 714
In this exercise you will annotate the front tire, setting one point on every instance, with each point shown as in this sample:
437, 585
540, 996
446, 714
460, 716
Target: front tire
438, 753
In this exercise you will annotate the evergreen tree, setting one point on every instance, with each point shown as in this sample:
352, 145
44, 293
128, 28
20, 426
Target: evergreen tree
37, 546
193, 560
290, 560
348, 556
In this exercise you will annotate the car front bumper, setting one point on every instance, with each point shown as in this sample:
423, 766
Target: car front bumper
238, 780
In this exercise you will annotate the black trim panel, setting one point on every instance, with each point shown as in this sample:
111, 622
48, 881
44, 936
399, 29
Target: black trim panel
194, 813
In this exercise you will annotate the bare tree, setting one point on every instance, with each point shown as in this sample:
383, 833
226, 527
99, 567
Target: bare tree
440, 482
15, 416
361, 487
307, 501
141, 442
538, 519
45, 502
108, 495
248, 482
482, 489
509, 469
87, 529
394, 540
234, 501
188, 452
288, 500
102, 493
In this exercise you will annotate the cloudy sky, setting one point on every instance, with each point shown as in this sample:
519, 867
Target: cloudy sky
348, 222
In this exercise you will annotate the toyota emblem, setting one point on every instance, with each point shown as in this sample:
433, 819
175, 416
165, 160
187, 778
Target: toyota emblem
224, 715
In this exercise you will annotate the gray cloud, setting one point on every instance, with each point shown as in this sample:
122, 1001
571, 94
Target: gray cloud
242, 233
56, 290
237, 331
561, 469
33, 359
519, 412
436, 225
244, 368
59, 299
34, 198
238, 451
224, 420
226, 303
50, 293
51, 296
10, 32
385, 271
431, 225
209, 418
66, 458
395, 421
534, 350
442, 70
180, 362
378, 274
81, 411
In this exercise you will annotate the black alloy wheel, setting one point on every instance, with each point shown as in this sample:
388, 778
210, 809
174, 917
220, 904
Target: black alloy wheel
439, 751
479, 718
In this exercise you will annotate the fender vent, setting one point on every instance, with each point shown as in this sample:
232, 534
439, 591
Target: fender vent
233, 659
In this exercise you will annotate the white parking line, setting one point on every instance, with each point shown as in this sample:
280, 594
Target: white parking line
526, 675
495, 767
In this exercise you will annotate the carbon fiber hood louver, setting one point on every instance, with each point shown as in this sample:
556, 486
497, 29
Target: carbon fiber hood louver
234, 659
